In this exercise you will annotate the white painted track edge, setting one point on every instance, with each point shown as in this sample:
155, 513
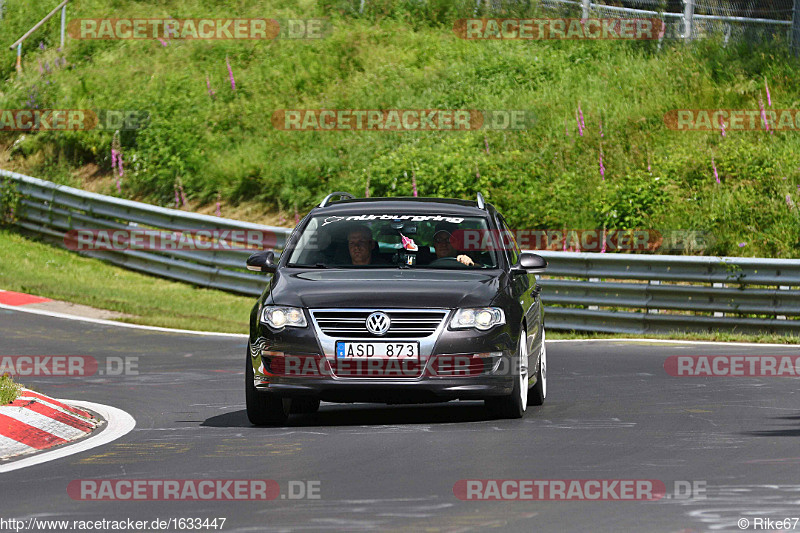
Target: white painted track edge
118, 424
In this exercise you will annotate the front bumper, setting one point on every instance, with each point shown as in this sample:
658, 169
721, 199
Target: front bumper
438, 378
461, 376
389, 391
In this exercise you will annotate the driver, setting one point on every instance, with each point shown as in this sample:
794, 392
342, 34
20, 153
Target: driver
442, 243
360, 244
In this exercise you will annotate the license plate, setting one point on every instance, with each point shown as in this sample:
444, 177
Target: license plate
377, 350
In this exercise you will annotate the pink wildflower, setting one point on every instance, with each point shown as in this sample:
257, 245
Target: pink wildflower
769, 98
230, 74
714, 166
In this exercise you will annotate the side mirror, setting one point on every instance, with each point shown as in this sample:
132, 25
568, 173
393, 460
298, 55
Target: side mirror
529, 263
263, 261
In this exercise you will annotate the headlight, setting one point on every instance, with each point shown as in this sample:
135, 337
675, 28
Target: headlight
482, 318
280, 317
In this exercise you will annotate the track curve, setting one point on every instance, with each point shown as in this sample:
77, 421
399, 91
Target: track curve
612, 412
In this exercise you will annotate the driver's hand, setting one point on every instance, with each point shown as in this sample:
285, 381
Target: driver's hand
465, 260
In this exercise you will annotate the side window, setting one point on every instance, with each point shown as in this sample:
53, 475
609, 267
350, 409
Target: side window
511, 247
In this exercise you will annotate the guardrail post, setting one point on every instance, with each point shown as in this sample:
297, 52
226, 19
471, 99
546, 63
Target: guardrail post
796, 27
782, 288
718, 285
688, 16
586, 7
593, 307
652, 282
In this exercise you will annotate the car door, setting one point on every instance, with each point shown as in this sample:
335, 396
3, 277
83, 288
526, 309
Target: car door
524, 290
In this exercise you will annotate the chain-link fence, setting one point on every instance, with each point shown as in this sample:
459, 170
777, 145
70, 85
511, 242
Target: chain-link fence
751, 20
748, 19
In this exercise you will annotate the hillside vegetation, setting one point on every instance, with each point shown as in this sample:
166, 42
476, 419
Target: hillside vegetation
405, 55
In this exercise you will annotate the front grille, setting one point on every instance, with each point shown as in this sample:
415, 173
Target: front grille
404, 324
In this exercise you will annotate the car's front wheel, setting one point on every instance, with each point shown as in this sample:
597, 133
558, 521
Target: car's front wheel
263, 409
515, 404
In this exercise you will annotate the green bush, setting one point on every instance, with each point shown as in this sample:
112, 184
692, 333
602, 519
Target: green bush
9, 202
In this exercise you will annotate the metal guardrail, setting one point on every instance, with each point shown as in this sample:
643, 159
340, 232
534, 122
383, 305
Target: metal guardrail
52, 210
631, 293
611, 292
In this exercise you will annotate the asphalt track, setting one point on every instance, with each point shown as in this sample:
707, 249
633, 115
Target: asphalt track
612, 412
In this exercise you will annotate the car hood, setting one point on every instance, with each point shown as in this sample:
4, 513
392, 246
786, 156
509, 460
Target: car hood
389, 288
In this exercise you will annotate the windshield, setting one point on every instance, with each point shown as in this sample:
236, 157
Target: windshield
393, 241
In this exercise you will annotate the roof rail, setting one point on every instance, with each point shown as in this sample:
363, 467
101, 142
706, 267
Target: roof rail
481, 205
340, 194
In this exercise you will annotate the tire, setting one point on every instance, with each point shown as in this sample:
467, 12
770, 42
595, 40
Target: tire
515, 404
539, 391
263, 408
304, 406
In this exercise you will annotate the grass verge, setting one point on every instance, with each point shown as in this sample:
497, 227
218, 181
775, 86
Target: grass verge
718, 336
36, 268
8, 390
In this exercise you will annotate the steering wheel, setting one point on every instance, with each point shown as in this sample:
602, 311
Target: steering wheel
446, 261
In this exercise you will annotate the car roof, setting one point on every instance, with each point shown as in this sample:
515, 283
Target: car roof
404, 204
